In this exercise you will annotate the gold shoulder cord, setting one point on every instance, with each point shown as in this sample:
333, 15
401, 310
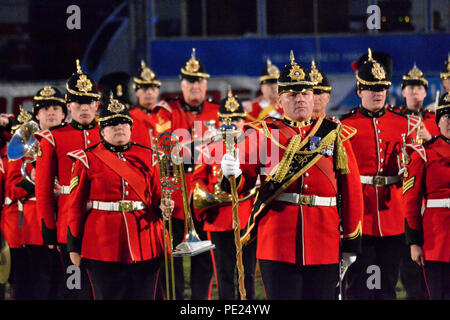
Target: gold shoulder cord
293, 147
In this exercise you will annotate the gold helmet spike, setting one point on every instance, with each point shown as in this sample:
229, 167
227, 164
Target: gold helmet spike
143, 65
232, 104
269, 63
78, 66
193, 54
292, 58
370, 54
315, 74
230, 93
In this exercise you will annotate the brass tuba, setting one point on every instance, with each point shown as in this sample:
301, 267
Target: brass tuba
23, 144
203, 199
174, 169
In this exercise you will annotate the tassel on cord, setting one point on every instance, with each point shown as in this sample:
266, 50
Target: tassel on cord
342, 161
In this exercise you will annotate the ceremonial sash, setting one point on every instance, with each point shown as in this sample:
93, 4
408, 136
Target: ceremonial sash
302, 160
124, 170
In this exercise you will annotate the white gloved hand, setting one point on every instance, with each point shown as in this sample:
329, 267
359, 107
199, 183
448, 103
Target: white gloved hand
230, 165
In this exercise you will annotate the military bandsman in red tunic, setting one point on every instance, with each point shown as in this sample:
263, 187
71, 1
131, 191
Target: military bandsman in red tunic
42, 265
322, 92
378, 146
266, 105
53, 162
426, 181
217, 213
295, 217
114, 220
414, 90
193, 119
147, 88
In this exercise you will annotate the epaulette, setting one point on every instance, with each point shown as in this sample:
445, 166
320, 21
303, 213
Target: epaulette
346, 132
350, 113
211, 100
420, 149
413, 123
80, 155
47, 135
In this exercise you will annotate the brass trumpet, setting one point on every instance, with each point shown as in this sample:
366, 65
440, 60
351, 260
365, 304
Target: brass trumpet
168, 184
191, 245
171, 171
204, 199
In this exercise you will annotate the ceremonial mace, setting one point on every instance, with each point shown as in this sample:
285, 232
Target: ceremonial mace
229, 134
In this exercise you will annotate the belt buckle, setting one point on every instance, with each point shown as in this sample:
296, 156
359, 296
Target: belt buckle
379, 181
125, 206
447, 203
305, 200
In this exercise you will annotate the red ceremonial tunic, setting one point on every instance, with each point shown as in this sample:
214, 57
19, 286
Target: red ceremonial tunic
425, 180
302, 234
10, 225
114, 235
208, 175
378, 146
188, 123
21, 194
53, 162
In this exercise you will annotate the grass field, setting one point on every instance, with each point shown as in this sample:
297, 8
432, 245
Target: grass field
259, 289
259, 292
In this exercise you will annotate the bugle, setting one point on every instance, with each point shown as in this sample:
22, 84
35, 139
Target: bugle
168, 185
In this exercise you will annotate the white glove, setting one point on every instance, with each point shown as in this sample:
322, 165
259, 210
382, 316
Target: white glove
230, 165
